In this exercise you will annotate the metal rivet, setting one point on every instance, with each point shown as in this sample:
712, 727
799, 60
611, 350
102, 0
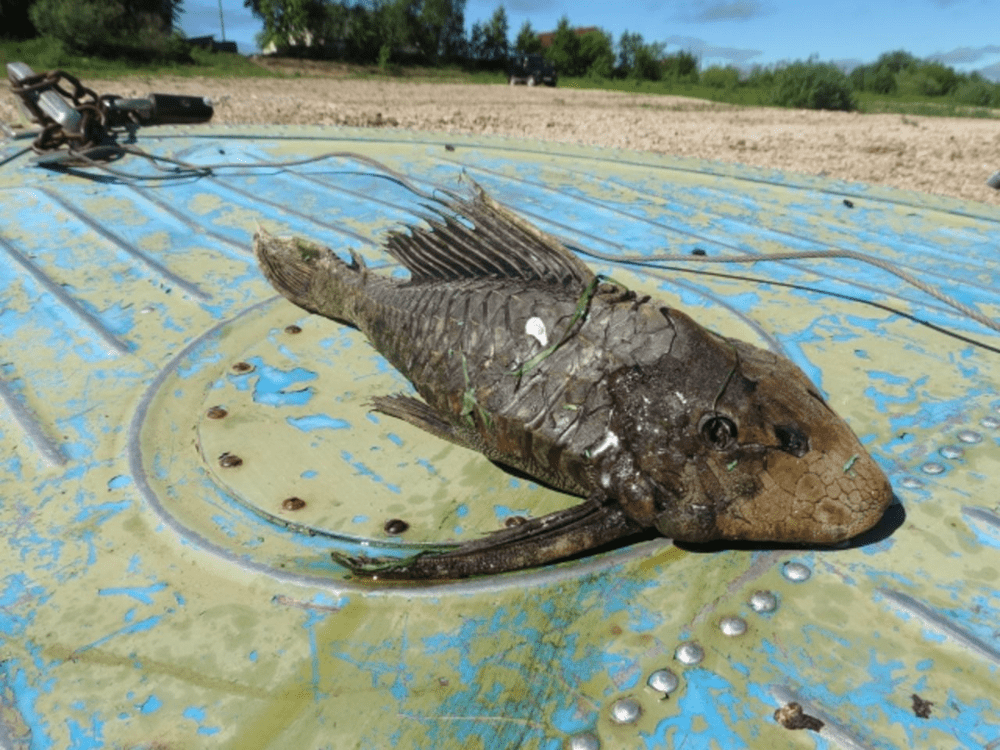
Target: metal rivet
796, 572
912, 483
293, 329
689, 653
216, 412
970, 436
242, 367
584, 741
395, 526
733, 626
932, 467
997, 408
147, 310
625, 711
663, 681
990, 423
293, 503
763, 601
512, 521
952, 451
228, 460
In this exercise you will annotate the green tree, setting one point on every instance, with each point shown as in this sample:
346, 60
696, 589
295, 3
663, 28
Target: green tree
597, 56
681, 66
720, 78
15, 21
488, 43
527, 42
564, 53
813, 85
639, 60
289, 23
133, 28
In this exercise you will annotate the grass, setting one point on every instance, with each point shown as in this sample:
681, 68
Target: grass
46, 54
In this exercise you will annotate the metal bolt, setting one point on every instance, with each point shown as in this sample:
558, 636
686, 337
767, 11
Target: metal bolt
584, 741
952, 451
242, 367
293, 329
293, 503
663, 681
625, 711
796, 572
395, 526
763, 601
932, 467
512, 521
912, 483
229, 461
689, 653
733, 625
990, 423
216, 412
970, 436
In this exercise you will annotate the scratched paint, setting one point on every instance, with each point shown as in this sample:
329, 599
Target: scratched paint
156, 596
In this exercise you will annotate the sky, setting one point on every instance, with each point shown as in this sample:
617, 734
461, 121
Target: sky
964, 34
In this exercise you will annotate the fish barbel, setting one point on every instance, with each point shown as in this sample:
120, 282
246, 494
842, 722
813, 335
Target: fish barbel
520, 352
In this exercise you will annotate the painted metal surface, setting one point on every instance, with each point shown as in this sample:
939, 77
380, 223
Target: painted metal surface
181, 451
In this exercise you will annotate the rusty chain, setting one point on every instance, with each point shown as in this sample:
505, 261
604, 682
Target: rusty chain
93, 108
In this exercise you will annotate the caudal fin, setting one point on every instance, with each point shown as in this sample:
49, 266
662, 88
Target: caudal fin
307, 274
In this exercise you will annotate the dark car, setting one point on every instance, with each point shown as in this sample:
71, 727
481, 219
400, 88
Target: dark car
532, 70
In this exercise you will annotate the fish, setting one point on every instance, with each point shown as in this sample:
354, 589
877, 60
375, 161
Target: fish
519, 351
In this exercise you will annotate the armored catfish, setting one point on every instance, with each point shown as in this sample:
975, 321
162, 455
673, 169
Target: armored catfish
519, 351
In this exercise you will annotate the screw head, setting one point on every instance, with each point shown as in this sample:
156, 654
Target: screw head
663, 681
293, 503
796, 572
293, 329
229, 461
763, 601
242, 367
216, 412
625, 711
395, 526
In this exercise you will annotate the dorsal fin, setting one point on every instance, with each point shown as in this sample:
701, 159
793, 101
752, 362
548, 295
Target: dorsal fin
498, 244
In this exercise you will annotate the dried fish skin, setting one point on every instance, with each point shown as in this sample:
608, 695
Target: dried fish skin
519, 351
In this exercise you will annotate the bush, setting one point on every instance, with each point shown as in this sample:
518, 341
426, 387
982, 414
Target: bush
682, 66
721, 78
929, 79
813, 85
81, 26
977, 92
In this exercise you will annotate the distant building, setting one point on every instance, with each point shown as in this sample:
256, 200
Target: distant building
547, 37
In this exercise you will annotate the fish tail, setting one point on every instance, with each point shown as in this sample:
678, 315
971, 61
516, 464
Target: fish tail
310, 275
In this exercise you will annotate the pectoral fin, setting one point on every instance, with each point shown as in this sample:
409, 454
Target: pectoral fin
419, 414
562, 534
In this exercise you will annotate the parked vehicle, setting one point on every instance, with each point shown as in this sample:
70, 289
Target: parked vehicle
532, 70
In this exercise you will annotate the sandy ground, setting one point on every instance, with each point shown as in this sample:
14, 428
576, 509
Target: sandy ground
948, 156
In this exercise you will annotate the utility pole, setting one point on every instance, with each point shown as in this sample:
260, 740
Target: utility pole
222, 22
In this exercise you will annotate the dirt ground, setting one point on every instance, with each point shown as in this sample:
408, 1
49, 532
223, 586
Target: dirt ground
948, 156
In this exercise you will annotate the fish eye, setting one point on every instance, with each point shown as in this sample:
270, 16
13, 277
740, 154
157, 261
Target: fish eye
719, 432
792, 440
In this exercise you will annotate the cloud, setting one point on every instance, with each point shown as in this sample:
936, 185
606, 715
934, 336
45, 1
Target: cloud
703, 49
965, 54
707, 11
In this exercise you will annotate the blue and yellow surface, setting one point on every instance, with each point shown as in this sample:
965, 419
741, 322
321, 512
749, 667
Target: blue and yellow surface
180, 451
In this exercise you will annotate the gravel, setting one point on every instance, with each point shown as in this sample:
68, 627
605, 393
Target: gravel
941, 155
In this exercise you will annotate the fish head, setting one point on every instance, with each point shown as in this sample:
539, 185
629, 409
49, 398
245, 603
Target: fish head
723, 440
